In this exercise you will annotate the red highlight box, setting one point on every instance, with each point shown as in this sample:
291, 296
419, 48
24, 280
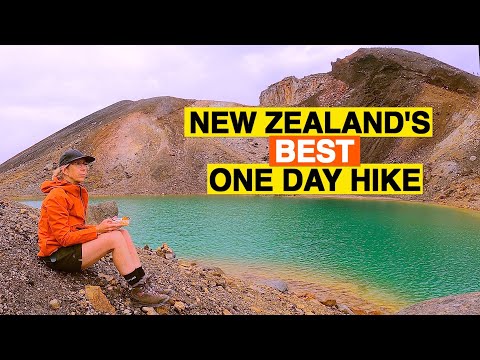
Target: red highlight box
314, 150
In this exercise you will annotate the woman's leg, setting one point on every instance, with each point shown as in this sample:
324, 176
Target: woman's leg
127, 262
131, 247
116, 243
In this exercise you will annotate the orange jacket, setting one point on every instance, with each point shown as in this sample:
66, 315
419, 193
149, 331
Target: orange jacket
62, 216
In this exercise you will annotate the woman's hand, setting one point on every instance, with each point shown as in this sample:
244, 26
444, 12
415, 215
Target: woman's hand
108, 225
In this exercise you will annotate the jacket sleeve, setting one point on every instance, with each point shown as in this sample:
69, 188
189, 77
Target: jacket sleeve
57, 213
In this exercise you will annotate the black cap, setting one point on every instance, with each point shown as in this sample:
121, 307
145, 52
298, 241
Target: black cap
72, 155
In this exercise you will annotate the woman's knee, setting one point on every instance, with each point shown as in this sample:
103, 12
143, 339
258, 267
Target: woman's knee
126, 235
124, 232
115, 238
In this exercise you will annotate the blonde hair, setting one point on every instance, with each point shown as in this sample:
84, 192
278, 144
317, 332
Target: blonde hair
58, 172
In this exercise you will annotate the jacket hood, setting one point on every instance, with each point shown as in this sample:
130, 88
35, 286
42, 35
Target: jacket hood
49, 185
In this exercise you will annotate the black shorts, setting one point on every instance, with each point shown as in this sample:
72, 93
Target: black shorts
65, 259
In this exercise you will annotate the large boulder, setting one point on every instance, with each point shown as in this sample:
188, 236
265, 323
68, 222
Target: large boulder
277, 284
462, 304
98, 212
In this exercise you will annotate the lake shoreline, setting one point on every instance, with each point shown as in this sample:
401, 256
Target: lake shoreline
473, 212
342, 292
319, 197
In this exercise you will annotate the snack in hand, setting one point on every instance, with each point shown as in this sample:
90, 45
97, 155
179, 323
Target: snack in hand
125, 221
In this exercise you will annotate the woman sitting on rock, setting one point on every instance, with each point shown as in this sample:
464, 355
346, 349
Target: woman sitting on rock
68, 244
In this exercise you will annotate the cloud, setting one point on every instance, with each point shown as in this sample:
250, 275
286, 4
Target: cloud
26, 126
296, 60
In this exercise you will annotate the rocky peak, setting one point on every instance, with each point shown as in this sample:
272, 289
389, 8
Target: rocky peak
384, 67
292, 91
370, 77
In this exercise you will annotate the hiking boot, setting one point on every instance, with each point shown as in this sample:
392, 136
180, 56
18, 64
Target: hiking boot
165, 291
149, 279
145, 294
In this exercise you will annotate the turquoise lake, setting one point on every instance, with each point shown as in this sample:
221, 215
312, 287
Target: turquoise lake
403, 252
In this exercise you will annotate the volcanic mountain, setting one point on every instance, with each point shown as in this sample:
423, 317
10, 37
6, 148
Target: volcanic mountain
141, 149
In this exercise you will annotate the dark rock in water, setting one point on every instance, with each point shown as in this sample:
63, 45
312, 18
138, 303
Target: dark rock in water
280, 285
97, 213
463, 304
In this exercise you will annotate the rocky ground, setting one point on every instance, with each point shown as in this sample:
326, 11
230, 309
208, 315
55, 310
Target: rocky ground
28, 287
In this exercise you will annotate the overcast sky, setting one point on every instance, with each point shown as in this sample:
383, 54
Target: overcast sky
46, 88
